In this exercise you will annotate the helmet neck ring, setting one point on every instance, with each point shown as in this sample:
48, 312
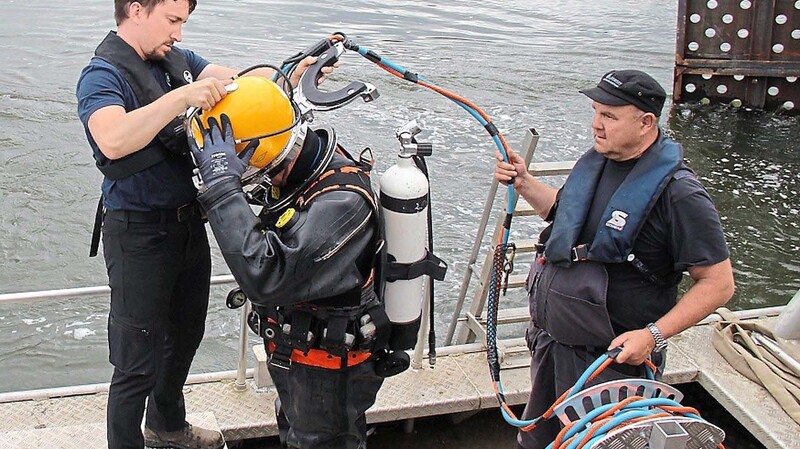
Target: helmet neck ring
263, 184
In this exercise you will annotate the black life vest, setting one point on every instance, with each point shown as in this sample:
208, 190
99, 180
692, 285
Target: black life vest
171, 140
626, 212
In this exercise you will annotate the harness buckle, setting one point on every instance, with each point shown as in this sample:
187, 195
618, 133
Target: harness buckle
580, 253
281, 357
254, 322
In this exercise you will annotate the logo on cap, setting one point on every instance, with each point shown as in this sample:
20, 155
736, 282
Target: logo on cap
610, 79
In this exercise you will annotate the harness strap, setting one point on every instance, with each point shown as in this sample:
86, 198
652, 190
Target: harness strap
299, 346
383, 326
430, 265
281, 356
338, 179
334, 336
298, 336
580, 253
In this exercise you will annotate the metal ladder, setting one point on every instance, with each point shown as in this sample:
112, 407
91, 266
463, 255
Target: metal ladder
473, 321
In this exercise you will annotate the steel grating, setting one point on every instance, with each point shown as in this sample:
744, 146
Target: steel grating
742, 53
88, 435
457, 383
40, 414
241, 414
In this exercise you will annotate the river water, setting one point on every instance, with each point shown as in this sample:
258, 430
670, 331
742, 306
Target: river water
522, 61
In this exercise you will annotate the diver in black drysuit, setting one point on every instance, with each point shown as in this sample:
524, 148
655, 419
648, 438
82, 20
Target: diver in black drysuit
311, 269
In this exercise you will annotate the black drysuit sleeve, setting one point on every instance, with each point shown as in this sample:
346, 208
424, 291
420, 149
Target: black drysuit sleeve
317, 257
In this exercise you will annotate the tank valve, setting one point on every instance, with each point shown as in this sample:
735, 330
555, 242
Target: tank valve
409, 146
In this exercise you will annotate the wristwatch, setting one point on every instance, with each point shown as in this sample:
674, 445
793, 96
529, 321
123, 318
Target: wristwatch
661, 342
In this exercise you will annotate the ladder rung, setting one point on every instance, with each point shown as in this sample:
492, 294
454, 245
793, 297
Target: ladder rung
514, 281
524, 246
517, 280
515, 315
524, 209
550, 168
505, 316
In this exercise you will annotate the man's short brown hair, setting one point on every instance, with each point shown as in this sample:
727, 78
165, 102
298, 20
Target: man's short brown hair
121, 7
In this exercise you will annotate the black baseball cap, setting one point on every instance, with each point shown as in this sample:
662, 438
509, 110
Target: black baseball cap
621, 87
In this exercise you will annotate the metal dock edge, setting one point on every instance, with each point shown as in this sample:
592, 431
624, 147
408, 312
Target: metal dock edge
457, 383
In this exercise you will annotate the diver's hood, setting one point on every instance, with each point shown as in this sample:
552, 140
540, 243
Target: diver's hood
312, 157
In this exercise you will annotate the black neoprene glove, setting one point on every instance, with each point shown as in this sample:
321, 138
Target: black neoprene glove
217, 159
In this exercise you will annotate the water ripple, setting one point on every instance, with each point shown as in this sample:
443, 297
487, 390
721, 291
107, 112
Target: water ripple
522, 61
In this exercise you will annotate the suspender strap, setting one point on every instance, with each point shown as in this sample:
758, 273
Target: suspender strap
97, 228
644, 271
145, 158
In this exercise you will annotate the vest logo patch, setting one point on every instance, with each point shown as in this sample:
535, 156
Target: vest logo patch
187, 75
617, 220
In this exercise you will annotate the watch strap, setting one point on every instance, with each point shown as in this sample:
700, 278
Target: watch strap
661, 342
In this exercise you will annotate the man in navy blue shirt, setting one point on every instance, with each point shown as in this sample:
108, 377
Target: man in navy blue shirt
130, 97
630, 219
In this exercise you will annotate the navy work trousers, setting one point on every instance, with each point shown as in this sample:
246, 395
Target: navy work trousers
159, 273
325, 409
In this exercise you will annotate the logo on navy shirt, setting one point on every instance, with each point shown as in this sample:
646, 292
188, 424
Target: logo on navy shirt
187, 75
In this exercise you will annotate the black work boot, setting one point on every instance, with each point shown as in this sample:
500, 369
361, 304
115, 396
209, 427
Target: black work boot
190, 437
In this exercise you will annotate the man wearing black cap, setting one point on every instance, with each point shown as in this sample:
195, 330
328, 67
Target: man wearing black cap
630, 219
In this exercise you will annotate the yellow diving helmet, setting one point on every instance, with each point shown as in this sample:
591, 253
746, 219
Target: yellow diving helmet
259, 110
